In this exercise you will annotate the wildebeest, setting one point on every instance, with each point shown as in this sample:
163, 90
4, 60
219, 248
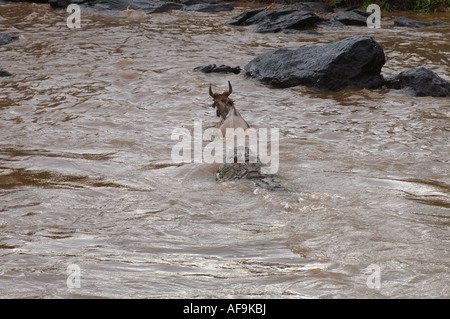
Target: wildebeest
230, 117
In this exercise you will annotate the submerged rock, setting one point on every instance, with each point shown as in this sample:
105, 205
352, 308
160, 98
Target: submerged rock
148, 6
328, 24
250, 172
260, 15
65, 3
6, 38
360, 12
138, 5
212, 68
410, 23
295, 20
351, 17
317, 6
210, 7
421, 81
353, 62
194, 2
277, 20
4, 73
243, 18
306, 5
155, 6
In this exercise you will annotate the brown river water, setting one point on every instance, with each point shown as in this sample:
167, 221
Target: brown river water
86, 176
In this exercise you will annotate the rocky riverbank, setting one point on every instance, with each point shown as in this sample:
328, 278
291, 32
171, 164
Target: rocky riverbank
307, 16
354, 62
146, 6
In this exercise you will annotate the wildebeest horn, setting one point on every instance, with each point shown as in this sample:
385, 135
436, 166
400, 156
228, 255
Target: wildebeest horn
230, 89
210, 91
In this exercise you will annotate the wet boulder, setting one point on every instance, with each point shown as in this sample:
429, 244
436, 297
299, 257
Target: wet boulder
194, 2
209, 6
295, 20
147, 6
277, 20
352, 62
96, 4
242, 19
421, 81
249, 171
410, 23
260, 16
354, 17
212, 68
317, 6
6, 38
330, 24
155, 6
4, 73
307, 5
64, 3
360, 12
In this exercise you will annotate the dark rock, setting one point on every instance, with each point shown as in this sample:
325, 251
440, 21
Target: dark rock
438, 24
4, 73
192, 2
155, 6
351, 18
295, 20
307, 5
410, 23
149, 6
6, 38
249, 171
361, 12
207, 7
351, 8
328, 24
64, 3
243, 17
306, 32
212, 68
146, 6
114, 5
263, 16
421, 81
231, 171
353, 62
318, 6
277, 20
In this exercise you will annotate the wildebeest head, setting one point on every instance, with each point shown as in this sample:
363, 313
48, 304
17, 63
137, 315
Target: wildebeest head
222, 102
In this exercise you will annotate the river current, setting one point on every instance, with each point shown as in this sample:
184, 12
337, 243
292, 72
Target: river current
87, 179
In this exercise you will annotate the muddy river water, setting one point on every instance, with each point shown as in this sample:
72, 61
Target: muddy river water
87, 181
